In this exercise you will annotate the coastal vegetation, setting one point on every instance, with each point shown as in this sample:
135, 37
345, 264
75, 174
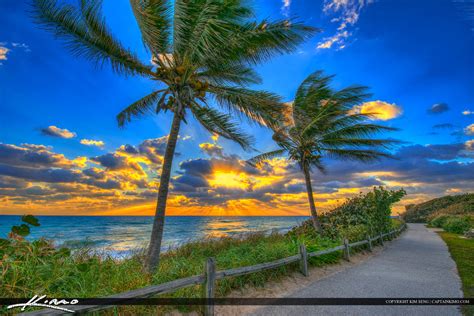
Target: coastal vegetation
462, 251
462, 204
453, 213
202, 53
36, 266
321, 123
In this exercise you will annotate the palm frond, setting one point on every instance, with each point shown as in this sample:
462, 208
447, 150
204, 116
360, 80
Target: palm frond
86, 34
202, 28
230, 74
357, 130
261, 107
358, 142
352, 95
140, 107
259, 159
325, 125
318, 84
221, 124
258, 42
154, 20
364, 155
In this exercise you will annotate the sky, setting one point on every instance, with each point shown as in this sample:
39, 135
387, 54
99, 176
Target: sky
62, 153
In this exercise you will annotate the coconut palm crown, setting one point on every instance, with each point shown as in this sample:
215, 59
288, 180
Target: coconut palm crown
321, 123
202, 52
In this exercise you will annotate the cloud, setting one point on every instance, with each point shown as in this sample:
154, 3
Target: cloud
469, 130
444, 126
347, 13
469, 145
4, 50
468, 112
58, 132
115, 161
438, 108
40, 174
35, 156
91, 142
338, 39
125, 181
381, 110
212, 149
285, 8
24, 46
3, 53
35, 175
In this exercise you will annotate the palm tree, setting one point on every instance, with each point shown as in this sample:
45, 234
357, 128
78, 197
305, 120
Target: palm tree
321, 123
202, 51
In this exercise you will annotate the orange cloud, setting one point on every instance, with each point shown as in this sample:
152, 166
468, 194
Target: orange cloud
469, 130
380, 110
3, 53
469, 144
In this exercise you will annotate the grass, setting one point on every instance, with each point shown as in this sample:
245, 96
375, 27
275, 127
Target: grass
87, 274
462, 251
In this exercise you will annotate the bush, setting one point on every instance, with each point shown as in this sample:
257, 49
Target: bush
457, 225
439, 221
365, 214
462, 204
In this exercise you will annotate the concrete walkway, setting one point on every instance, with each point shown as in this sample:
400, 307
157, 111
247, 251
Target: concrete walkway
417, 264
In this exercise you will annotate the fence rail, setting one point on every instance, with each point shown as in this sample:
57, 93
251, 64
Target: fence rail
211, 275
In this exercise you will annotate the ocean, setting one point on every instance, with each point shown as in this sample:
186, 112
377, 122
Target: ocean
119, 235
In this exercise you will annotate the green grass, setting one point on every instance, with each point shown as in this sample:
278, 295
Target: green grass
462, 251
87, 274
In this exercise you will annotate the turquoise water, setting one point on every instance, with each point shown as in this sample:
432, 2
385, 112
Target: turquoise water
121, 234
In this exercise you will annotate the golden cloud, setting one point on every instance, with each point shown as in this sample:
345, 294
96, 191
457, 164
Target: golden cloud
469, 145
3, 53
91, 142
379, 110
469, 130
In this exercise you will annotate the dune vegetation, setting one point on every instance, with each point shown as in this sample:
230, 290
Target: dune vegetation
35, 266
462, 204
454, 214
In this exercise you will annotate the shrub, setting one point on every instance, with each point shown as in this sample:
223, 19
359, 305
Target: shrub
359, 216
439, 221
452, 204
457, 225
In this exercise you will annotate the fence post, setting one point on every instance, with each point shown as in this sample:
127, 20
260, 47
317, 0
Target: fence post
381, 239
347, 255
210, 274
303, 260
369, 242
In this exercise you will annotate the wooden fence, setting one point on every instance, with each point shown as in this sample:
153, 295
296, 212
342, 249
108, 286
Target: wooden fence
208, 279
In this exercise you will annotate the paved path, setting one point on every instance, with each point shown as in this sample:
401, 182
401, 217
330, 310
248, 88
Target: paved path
417, 264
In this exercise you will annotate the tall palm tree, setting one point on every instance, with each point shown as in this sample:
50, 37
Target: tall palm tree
321, 123
202, 52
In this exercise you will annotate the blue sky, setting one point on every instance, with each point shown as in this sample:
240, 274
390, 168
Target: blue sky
412, 54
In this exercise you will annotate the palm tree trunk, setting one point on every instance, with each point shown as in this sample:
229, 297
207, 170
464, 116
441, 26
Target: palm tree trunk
159, 221
312, 206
